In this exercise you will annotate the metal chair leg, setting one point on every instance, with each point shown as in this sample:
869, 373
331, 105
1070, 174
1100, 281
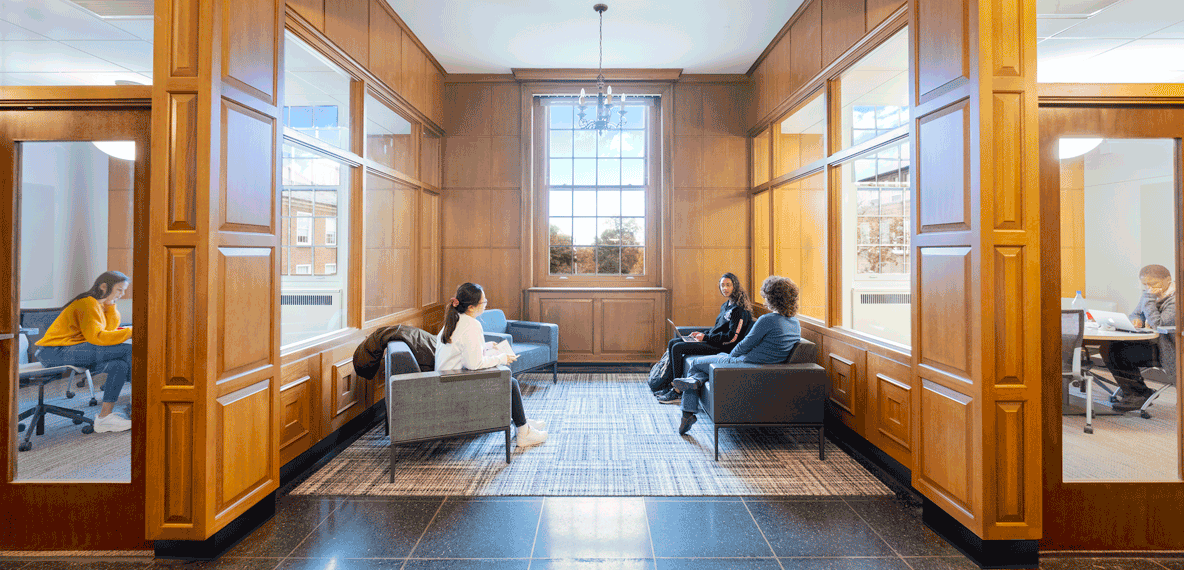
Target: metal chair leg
822, 443
717, 443
507, 444
555, 372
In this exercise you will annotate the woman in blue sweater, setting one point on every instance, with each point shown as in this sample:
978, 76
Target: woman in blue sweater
733, 322
770, 341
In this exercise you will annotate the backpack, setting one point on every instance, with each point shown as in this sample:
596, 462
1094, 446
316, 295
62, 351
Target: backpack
658, 372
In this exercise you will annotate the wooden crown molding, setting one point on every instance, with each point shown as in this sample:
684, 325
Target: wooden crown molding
79, 95
714, 78
1111, 93
617, 74
479, 78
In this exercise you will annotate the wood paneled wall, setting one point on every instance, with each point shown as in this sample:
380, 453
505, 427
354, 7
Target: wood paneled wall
709, 209
1072, 226
819, 33
482, 201
120, 218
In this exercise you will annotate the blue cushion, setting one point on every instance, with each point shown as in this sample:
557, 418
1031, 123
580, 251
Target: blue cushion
530, 356
493, 321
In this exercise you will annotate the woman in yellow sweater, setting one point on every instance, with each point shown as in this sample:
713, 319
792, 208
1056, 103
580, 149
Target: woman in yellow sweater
87, 333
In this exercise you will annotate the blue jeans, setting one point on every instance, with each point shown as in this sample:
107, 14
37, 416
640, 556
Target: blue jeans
115, 361
701, 370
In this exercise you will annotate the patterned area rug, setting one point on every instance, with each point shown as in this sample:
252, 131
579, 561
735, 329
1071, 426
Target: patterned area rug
607, 437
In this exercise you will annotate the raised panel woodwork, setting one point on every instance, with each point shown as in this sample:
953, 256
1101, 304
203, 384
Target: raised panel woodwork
182, 161
1009, 461
1009, 161
842, 383
890, 407
249, 56
347, 23
178, 463
311, 10
574, 317
347, 387
183, 37
846, 366
879, 10
944, 293
244, 442
181, 307
942, 52
629, 326
245, 309
1007, 41
248, 175
1009, 311
806, 39
946, 446
842, 26
296, 413
386, 38
943, 176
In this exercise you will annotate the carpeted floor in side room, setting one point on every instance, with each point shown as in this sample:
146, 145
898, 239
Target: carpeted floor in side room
608, 437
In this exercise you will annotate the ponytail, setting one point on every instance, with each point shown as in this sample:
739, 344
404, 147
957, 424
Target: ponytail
103, 285
467, 295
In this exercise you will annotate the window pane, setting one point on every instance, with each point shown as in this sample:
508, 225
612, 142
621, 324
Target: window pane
59, 43
584, 202
313, 290
584, 144
388, 137
316, 95
562, 260
633, 203
634, 116
584, 172
608, 231
608, 203
429, 249
876, 224
608, 260
583, 231
430, 167
632, 144
875, 92
633, 231
561, 144
560, 172
560, 231
632, 260
801, 137
559, 202
561, 116
388, 246
633, 172
608, 171
585, 260
608, 144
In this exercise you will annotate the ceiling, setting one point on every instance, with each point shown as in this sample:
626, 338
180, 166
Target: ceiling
495, 36
1110, 41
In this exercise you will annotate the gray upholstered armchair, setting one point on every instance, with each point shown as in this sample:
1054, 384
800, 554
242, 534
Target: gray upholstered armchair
424, 406
761, 395
536, 344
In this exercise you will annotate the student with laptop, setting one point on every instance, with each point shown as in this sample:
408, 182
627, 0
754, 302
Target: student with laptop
1156, 308
732, 323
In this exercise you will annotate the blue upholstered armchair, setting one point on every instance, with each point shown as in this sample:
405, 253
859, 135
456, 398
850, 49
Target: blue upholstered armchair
536, 344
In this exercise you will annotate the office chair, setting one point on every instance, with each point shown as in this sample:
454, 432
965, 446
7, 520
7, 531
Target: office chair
1072, 372
35, 373
1165, 372
34, 322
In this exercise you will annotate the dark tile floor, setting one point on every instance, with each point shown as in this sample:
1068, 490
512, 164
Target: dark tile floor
614, 533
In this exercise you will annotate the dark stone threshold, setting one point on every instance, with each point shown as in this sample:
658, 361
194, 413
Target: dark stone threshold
291, 474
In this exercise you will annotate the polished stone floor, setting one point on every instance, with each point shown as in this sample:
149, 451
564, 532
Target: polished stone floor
614, 533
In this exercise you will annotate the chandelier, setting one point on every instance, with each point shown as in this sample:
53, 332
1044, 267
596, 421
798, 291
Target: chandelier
602, 121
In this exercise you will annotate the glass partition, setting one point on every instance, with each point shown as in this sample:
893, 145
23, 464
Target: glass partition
390, 262
874, 92
430, 166
58, 42
800, 138
799, 228
760, 158
429, 249
314, 244
876, 229
388, 137
316, 95
761, 243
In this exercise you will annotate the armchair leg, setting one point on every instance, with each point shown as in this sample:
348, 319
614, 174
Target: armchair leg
507, 444
555, 372
717, 443
392, 463
822, 443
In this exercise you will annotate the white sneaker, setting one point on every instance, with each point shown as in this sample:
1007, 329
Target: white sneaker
528, 436
112, 422
537, 424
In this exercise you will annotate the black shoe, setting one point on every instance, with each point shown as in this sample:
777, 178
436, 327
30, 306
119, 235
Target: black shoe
671, 397
685, 384
662, 392
687, 422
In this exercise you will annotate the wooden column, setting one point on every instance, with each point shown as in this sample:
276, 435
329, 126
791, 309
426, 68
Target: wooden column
976, 345
213, 354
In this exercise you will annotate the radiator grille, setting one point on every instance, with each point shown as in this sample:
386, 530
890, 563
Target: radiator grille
306, 300
885, 298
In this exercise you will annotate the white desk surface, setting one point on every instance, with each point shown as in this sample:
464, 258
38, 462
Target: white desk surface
1093, 333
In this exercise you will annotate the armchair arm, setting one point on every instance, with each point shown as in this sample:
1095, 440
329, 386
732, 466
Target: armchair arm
497, 337
541, 333
434, 404
768, 393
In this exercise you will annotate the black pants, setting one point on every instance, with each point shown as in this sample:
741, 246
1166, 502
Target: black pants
1124, 361
679, 350
517, 412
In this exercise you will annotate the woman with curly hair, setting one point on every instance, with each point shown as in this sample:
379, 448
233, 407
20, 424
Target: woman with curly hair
770, 341
733, 322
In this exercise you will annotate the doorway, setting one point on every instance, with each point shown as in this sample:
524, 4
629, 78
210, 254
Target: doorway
1111, 249
74, 186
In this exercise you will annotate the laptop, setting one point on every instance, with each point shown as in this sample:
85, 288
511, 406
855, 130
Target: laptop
687, 338
1118, 321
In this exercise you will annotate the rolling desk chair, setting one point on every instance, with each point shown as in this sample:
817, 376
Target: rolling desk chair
1165, 373
34, 373
1072, 356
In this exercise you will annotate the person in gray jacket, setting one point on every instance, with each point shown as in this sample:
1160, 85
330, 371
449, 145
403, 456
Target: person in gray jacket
1156, 308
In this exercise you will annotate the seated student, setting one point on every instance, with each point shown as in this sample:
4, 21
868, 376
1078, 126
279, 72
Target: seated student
1156, 308
87, 333
770, 341
732, 323
462, 346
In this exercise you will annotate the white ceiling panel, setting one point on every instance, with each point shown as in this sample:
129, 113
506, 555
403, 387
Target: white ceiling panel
131, 55
13, 32
482, 36
1144, 54
1171, 32
140, 27
1129, 19
59, 20
1076, 49
1049, 27
1083, 7
27, 57
107, 78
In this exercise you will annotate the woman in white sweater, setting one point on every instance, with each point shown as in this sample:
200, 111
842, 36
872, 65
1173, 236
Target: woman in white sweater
462, 346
